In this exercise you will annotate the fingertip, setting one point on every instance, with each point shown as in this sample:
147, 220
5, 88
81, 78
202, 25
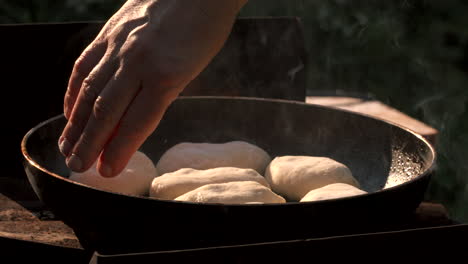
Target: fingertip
106, 170
74, 163
64, 146
111, 165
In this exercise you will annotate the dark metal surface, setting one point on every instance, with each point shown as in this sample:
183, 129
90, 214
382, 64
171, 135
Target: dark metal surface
374, 151
424, 245
24, 251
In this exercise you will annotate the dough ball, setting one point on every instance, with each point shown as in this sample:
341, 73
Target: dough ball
332, 191
294, 176
171, 185
204, 156
135, 179
232, 193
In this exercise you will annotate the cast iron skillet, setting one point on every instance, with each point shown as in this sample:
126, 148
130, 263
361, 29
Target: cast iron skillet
377, 153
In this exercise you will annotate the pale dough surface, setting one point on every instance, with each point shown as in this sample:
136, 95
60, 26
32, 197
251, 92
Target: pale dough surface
245, 192
135, 179
171, 185
294, 176
204, 156
332, 191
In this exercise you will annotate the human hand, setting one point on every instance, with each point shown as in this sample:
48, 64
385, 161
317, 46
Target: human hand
123, 82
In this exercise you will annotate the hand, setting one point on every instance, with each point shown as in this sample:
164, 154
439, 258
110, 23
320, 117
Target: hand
123, 82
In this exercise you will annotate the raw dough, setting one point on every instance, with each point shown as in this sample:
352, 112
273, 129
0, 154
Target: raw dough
232, 193
294, 176
171, 185
135, 179
204, 156
332, 191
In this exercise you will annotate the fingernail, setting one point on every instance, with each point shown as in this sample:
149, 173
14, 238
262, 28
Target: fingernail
106, 171
74, 163
64, 146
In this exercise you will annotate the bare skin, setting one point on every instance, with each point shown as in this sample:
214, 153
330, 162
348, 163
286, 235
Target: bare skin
123, 82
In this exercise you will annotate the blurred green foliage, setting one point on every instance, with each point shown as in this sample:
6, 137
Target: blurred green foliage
410, 54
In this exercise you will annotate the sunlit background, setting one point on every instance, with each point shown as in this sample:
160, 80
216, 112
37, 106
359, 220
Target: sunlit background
409, 54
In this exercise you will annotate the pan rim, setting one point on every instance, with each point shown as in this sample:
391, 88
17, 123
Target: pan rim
424, 174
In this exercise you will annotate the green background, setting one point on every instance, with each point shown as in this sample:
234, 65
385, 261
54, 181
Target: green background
409, 54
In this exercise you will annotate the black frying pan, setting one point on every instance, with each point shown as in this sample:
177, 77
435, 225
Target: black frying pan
377, 152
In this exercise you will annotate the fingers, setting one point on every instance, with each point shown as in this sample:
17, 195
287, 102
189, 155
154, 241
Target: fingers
83, 66
90, 89
107, 111
140, 120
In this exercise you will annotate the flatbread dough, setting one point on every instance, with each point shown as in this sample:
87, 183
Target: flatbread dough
232, 193
204, 156
294, 176
135, 179
171, 185
332, 191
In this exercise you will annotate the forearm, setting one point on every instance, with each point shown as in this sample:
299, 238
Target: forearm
220, 7
182, 21
214, 9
